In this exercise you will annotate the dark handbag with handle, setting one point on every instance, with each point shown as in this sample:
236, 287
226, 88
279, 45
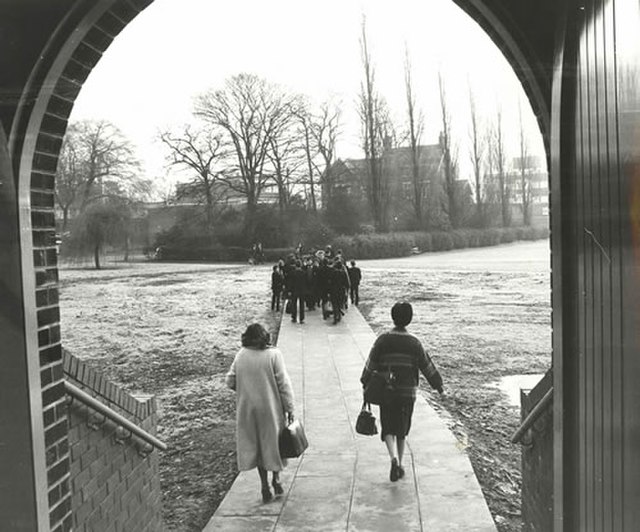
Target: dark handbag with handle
379, 387
292, 441
366, 423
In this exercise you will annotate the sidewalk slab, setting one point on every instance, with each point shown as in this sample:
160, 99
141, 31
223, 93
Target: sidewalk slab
341, 483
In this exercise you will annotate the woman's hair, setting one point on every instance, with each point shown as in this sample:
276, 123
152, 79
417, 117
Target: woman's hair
256, 336
401, 314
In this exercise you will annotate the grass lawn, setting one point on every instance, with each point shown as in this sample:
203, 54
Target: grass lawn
173, 330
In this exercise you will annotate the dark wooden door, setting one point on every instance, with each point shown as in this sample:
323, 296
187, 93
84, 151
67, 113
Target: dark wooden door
596, 250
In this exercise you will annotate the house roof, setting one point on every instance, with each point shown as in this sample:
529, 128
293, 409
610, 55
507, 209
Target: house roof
397, 163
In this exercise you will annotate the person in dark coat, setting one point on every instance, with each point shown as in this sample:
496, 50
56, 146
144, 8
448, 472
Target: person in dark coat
298, 292
347, 281
355, 276
401, 354
277, 284
338, 283
311, 284
287, 270
322, 285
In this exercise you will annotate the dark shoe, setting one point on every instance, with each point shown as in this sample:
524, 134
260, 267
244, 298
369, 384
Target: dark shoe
394, 474
277, 487
266, 495
301, 322
400, 472
293, 320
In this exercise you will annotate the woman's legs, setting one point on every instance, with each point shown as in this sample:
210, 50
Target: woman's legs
263, 477
275, 482
264, 481
390, 442
400, 443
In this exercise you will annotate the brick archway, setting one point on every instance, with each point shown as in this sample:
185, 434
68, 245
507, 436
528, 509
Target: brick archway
38, 118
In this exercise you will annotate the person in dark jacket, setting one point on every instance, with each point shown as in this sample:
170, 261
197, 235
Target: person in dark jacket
322, 284
298, 292
310, 272
403, 356
277, 283
338, 284
355, 276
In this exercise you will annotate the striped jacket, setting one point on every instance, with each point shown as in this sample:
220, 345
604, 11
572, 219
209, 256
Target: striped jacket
401, 353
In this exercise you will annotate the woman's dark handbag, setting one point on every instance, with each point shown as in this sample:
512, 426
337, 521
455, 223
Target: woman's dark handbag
289, 307
379, 387
292, 441
366, 423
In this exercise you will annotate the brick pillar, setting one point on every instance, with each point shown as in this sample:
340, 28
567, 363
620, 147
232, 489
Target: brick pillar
74, 34
22, 469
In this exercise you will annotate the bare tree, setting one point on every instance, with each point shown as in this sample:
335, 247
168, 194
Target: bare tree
325, 130
100, 225
70, 180
499, 162
201, 152
96, 162
375, 121
305, 122
415, 130
449, 161
525, 180
477, 155
285, 155
251, 112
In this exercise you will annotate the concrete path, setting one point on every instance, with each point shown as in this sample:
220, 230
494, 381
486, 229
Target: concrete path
341, 483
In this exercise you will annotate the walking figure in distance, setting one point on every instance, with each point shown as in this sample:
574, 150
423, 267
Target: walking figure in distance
401, 353
298, 289
264, 404
338, 286
355, 276
277, 284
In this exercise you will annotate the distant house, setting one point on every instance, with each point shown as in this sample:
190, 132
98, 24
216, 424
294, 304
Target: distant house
349, 177
192, 193
153, 218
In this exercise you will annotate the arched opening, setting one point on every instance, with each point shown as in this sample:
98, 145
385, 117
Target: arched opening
38, 129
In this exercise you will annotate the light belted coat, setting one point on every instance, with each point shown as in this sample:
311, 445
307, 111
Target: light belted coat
263, 395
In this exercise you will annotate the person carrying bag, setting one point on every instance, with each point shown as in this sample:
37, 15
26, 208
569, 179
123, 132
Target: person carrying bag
366, 422
380, 387
390, 378
264, 406
292, 441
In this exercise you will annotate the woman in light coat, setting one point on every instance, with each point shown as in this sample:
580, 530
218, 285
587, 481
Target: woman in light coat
264, 404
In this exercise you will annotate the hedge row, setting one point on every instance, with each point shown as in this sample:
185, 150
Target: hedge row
381, 246
371, 246
218, 254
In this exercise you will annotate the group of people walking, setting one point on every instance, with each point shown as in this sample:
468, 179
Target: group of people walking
265, 402
319, 280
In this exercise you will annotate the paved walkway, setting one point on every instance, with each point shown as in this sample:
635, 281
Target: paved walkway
341, 483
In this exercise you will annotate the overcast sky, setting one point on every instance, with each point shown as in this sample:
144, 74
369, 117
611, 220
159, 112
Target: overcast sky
176, 49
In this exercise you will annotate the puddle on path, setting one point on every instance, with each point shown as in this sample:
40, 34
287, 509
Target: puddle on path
512, 384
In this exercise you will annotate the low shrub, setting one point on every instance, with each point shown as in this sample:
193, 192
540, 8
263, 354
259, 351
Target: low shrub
367, 246
388, 245
204, 254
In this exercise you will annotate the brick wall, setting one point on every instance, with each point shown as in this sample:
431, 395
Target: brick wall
99, 25
537, 462
113, 478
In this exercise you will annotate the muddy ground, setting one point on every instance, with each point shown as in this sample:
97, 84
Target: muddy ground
172, 330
